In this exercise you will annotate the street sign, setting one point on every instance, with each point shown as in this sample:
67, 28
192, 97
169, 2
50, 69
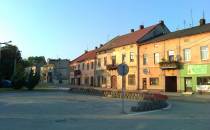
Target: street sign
122, 69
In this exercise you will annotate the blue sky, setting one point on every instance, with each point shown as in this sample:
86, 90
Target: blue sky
65, 28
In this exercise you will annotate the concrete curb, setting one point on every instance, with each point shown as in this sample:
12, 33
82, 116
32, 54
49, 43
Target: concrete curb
147, 112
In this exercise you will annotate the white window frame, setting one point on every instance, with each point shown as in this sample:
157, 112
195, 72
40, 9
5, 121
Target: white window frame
207, 52
187, 54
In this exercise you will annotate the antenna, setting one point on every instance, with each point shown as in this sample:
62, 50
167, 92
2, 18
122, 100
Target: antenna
184, 24
191, 14
203, 14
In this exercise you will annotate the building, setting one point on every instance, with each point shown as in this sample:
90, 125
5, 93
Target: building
124, 49
47, 73
178, 61
82, 69
56, 71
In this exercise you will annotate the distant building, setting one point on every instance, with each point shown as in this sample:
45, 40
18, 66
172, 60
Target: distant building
82, 69
56, 71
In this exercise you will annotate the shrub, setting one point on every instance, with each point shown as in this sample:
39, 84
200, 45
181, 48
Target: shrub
18, 81
33, 80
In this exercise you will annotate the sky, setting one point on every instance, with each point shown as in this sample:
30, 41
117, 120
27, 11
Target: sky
66, 28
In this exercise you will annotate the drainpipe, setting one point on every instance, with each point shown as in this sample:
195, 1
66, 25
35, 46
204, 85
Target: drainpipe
138, 67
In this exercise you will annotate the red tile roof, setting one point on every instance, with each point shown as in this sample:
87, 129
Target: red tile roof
127, 39
85, 56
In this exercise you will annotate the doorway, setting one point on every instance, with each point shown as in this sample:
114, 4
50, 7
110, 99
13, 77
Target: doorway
188, 84
91, 81
171, 84
78, 81
144, 83
114, 82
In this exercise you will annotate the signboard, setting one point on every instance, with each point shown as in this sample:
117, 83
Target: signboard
122, 69
197, 69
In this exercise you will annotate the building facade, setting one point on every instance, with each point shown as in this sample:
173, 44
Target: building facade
124, 49
56, 71
178, 61
82, 69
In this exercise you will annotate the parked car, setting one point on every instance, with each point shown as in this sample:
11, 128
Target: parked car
6, 84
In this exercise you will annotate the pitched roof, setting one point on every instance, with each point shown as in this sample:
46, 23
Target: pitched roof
85, 56
182, 33
127, 39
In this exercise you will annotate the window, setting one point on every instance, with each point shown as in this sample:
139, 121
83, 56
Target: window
145, 59
113, 60
105, 61
203, 80
187, 54
131, 56
156, 58
87, 66
131, 79
103, 80
78, 66
154, 81
83, 66
87, 80
123, 58
92, 65
99, 62
204, 52
171, 55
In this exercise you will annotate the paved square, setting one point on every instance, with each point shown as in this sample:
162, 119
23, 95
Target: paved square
66, 111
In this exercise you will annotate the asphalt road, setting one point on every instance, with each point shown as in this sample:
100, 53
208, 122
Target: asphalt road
64, 111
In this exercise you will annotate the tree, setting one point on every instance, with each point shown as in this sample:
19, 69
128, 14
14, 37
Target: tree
33, 80
10, 55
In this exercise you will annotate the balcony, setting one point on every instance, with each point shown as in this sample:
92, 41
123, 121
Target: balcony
170, 65
111, 67
77, 72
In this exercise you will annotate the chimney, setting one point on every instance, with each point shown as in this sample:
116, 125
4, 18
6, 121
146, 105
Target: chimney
101, 45
96, 47
161, 22
141, 26
86, 51
132, 30
202, 21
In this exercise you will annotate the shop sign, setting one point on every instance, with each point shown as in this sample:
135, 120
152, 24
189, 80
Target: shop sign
197, 69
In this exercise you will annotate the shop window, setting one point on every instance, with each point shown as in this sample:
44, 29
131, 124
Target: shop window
203, 80
154, 81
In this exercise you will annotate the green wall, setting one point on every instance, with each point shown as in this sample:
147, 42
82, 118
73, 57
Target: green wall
194, 71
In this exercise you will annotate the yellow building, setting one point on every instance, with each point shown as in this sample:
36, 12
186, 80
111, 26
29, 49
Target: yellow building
177, 61
124, 49
82, 69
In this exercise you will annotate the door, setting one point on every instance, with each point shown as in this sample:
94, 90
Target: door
188, 84
91, 81
171, 84
78, 81
114, 82
144, 83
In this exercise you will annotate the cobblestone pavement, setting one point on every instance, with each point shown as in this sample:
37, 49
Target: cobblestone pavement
65, 111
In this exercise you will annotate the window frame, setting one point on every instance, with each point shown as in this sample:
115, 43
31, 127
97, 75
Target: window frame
131, 79
151, 82
207, 54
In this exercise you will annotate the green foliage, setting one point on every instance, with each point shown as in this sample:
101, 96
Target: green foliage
18, 80
37, 60
9, 55
33, 80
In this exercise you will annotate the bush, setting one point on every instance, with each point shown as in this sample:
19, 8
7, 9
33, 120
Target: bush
33, 80
18, 81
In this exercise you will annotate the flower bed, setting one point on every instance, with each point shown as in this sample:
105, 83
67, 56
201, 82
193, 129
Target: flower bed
151, 102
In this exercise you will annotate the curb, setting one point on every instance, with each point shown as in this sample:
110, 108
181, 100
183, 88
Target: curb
147, 112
